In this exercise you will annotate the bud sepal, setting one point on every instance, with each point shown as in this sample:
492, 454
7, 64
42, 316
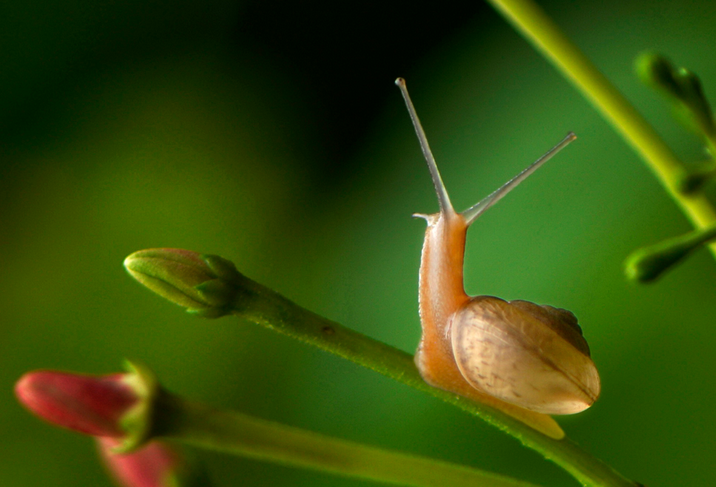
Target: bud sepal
138, 422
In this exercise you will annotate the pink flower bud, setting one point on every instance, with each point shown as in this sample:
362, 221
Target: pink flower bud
89, 404
155, 464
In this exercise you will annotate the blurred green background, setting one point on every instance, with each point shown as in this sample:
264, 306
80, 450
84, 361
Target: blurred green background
271, 134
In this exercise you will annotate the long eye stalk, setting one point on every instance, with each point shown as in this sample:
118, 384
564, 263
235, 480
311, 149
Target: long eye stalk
443, 198
472, 213
478, 209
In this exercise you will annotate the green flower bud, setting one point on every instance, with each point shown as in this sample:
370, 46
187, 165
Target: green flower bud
648, 263
680, 85
203, 284
658, 72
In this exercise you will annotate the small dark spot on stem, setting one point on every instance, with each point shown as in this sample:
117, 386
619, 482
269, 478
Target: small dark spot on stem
328, 330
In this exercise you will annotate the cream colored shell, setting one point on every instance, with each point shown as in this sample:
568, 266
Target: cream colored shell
529, 355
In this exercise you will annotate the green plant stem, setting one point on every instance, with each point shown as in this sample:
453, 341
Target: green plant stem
260, 305
529, 19
239, 434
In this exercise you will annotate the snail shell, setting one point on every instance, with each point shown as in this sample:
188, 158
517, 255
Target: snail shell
485, 348
529, 355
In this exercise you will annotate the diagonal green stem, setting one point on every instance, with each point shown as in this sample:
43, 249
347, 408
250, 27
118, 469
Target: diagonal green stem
260, 305
239, 434
547, 38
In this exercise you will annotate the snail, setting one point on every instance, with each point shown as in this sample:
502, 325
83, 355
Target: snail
513, 355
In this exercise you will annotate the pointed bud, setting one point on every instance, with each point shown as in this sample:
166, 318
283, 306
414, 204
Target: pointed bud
91, 405
683, 88
658, 72
116, 406
156, 464
648, 263
204, 284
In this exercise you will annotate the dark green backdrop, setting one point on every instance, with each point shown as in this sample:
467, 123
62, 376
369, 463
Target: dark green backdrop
272, 134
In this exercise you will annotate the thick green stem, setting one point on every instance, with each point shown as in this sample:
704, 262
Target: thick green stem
263, 306
239, 434
547, 37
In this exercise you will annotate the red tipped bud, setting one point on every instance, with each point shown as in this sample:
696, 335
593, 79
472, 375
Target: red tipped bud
88, 404
118, 406
118, 410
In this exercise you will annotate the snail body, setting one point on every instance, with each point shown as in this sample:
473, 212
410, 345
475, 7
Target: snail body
526, 359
